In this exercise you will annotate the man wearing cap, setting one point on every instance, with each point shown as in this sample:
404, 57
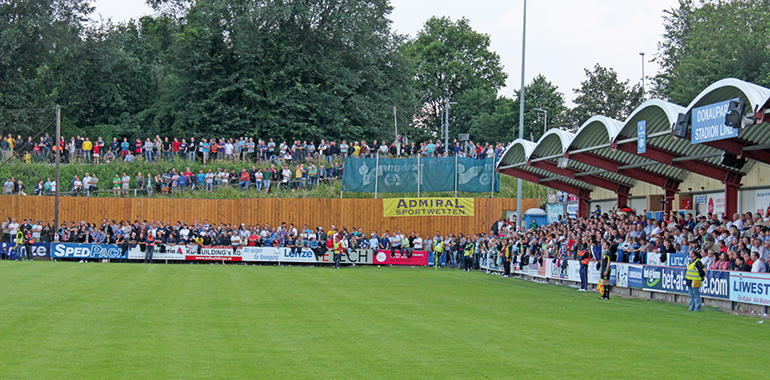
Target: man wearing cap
693, 278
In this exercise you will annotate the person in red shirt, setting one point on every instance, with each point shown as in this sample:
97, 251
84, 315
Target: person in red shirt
175, 146
245, 180
138, 148
253, 238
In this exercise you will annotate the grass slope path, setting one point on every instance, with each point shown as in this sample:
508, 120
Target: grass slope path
91, 321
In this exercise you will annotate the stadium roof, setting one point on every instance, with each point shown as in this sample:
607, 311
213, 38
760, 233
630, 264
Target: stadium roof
603, 152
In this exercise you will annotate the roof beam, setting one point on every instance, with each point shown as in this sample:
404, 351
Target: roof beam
614, 167
666, 157
737, 148
534, 178
569, 173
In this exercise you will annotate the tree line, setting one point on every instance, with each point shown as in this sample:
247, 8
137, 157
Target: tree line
313, 69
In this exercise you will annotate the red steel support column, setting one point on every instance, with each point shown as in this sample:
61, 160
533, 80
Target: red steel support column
583, 198
732, 184
623, 192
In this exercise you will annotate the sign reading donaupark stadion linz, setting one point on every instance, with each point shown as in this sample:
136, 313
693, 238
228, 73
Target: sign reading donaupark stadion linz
428, 206
708, 123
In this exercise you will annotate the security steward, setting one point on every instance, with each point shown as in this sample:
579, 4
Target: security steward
439, 253
150, 248
507, 259
585, 257
604, 270
468, 255
694, 279
19, 241
28, 240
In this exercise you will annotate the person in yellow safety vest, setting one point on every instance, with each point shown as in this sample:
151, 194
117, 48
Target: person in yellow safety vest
19, 240
438, 250
337, 246
605, 269
28, 240
468, 254
148, 251
507, 259
693, 278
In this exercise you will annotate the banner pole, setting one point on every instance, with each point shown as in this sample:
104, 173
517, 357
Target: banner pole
342, 185
456, 176
492, 192
419, 175
376, 174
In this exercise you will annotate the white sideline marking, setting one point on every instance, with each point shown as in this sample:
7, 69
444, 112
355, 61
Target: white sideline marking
153, 266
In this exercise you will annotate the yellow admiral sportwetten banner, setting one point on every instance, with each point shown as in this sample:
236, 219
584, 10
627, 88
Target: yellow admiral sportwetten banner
428, 206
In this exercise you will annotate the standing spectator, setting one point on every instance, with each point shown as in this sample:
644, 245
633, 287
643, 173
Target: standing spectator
87, 147
694, 277
8, 187
148, 147
124, 181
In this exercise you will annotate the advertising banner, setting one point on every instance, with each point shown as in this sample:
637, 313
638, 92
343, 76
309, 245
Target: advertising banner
222, 253
572, 210
428, 207
672, 280
641, 141
38, 249
619, 275
432, 259
715, 203
635, 277
263, 254
437, 174
86, 251
355, 256
554, 269
751, 288
653, 258
699, 199
170, 252
708, 123
678, 259
762, 202
383, 257
554, 211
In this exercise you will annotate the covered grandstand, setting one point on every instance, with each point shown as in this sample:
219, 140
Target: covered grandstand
602, 161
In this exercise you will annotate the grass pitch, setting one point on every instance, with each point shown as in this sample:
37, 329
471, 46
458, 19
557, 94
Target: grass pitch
116, 321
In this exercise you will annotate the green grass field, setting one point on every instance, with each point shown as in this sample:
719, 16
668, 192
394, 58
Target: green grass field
119, 321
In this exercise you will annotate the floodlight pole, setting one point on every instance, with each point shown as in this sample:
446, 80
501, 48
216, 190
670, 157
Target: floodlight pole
642, 54
521, 111
57, 144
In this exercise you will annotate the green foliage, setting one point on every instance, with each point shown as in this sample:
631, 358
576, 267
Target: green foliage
451, 59
710, 40
602, 93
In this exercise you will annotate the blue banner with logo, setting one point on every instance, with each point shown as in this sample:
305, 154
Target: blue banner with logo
437, 174
38, 249
87, 251
635, 277
678, 259
641, 132
672, 280
708, 123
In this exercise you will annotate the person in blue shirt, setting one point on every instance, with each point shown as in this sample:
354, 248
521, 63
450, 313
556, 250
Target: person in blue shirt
598, 212
384, 241
363, 244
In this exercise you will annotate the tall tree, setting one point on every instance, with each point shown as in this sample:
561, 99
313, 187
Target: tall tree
711, 40
451, 58
602, 93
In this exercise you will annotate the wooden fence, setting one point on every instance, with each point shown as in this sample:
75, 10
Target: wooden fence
365, 213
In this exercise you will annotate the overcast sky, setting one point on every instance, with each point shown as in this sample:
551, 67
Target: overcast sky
563, 36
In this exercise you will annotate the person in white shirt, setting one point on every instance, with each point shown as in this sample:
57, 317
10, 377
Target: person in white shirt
417, 243
13, 228
87, 184
759, 265
36, 229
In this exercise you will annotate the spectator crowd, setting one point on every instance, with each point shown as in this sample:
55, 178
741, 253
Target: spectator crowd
740, 243
300, 165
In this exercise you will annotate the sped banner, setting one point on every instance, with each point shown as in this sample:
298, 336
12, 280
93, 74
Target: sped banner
428, 207
87, 251
400, 258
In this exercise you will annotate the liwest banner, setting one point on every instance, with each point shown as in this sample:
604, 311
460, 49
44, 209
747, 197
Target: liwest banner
367, 175
428, 207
